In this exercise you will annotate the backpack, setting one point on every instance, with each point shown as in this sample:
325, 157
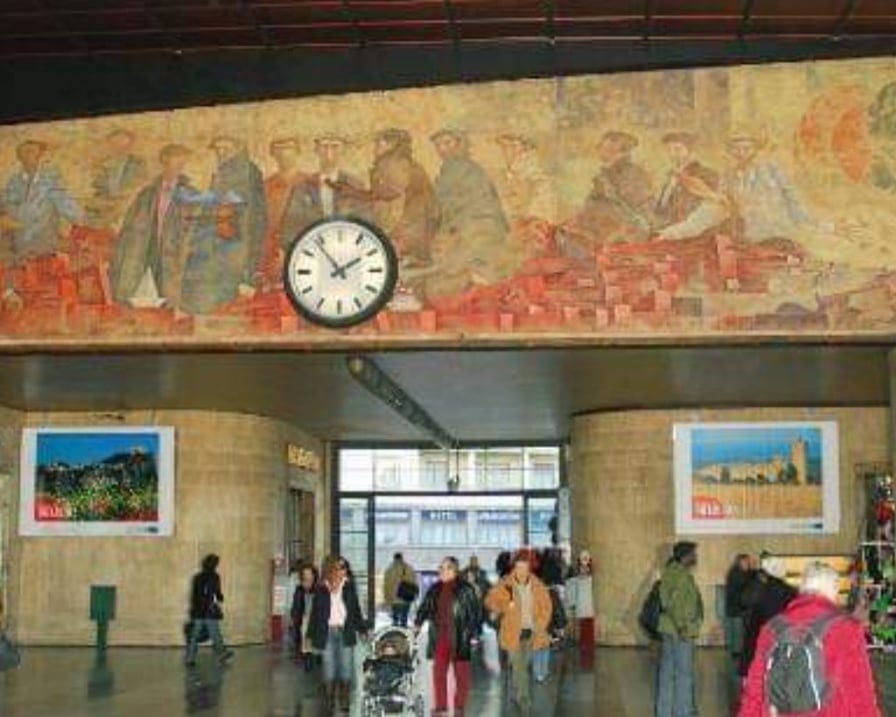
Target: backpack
649, 618
795, 679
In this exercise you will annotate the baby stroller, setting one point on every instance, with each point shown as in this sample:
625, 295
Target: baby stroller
391, 682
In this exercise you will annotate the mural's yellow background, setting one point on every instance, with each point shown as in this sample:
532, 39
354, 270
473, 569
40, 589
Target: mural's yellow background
563, 257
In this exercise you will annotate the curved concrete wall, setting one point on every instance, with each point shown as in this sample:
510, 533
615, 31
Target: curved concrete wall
232, 478
623, 504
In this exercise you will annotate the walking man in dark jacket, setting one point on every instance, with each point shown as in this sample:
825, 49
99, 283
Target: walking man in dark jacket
452, 610
771, 599
205, 610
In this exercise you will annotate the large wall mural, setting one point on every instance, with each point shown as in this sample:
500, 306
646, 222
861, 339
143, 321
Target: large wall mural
705, 203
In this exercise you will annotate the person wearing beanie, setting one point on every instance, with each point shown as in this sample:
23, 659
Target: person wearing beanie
771, 598
679, 627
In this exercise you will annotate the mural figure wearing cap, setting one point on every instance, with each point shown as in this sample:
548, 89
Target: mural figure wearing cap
526, 188
226, 255
760, 192
35, 207
472, 245
402, 198
154, 239
689, 203
285, 193
120, 172
331, 190
620, 205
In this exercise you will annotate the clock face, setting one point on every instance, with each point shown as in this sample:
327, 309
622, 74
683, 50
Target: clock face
340, 272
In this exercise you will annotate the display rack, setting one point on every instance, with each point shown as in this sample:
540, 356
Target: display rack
876, 573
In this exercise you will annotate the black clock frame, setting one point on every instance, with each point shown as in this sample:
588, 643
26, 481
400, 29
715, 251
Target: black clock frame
368, 313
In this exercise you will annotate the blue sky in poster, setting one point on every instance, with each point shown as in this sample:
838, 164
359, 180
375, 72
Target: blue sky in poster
80, 448
751, 445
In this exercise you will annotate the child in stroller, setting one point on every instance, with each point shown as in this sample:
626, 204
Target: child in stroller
392, 684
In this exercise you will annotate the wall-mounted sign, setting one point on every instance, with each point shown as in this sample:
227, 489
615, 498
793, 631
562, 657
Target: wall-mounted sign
444, 516
393, 516
302, 458
500, 516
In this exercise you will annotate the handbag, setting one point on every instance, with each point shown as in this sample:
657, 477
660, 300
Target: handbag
407, 591
9, 654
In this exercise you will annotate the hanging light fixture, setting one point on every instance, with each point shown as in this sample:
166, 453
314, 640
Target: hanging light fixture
375, 380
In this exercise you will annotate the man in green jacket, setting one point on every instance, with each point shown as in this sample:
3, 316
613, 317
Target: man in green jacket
680, 623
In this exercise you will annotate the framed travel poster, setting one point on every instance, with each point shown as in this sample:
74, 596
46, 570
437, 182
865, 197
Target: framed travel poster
97, 481
742, 478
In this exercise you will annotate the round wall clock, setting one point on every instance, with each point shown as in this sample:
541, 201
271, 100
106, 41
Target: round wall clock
340, 271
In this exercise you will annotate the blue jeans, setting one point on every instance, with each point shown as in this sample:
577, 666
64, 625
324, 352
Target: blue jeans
675, 679
400, 612
541, 664
214, 632
339, 663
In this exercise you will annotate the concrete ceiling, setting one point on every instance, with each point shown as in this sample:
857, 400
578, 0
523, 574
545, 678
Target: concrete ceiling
476, 395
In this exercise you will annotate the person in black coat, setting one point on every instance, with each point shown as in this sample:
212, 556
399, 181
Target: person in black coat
334, 627
302, 607
452, 609
205, 610
738, 577
770, 596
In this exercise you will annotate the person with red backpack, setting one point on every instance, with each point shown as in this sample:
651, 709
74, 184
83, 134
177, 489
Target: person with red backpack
811, 660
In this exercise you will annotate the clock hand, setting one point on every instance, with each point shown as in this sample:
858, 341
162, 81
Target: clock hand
340, 270
333, 262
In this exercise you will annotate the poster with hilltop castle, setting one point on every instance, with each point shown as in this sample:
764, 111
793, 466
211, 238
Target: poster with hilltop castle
739, 478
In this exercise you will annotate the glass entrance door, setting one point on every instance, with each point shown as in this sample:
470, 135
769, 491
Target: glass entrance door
426, 528
355, 542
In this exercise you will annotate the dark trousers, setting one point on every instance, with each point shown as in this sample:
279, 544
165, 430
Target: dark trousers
400, 612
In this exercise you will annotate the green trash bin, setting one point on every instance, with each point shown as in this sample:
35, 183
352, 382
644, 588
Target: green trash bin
102, 611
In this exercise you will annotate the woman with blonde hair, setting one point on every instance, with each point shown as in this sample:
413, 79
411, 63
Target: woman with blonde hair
335, 624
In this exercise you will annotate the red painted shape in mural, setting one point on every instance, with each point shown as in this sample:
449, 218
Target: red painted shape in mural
851, 144
707, 508
48, 509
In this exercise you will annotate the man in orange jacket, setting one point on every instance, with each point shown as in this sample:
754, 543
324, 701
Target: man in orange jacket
523, 604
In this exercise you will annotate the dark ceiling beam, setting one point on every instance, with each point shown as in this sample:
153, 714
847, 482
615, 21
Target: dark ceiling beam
849, 10
248, 12
746, 19
648, 20
550, 17
453, 27
64, 32
44, 88
348, 12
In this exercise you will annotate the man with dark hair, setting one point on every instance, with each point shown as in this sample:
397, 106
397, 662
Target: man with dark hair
205, 610
689, 203
452, 611
679, 626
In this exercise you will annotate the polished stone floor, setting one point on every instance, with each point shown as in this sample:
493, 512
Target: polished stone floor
262, 683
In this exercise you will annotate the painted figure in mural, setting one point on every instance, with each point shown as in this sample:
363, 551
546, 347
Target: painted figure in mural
761, 195
287, 194
403, 198
526, 187
154, 239
225, 252
689, 204
122, 170
620, 205
882, 121
36, 208
116, 177
472, 245
331, 191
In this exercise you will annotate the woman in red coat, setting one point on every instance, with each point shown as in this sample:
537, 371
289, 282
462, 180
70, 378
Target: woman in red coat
846, 663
